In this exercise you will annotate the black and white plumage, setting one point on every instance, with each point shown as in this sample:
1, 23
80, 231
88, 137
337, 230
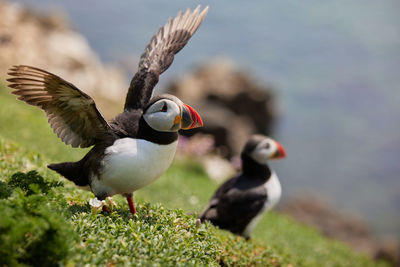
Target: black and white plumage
138, 145
239, 203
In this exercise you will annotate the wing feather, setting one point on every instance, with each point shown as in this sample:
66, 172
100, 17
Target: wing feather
159, 55
231, 208
72, 114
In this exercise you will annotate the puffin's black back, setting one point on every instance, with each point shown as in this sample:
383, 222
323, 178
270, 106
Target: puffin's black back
235, 204
239, 199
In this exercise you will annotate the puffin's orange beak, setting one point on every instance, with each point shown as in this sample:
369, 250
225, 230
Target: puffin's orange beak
190, 118
280, 152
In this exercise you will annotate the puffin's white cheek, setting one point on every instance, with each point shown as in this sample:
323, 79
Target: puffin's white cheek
159, 121
261, 156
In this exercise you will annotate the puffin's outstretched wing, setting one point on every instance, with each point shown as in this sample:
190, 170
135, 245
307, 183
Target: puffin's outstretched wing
71, 113
159, 55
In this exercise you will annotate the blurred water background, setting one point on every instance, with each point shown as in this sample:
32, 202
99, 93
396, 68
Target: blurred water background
335, 66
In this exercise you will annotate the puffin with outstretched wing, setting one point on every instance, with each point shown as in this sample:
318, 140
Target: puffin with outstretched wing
138, 145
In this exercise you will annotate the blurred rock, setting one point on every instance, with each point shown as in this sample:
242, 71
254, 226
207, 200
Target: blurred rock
217, 168
233, 106
389, 251
47, 41
346, 228
201, 147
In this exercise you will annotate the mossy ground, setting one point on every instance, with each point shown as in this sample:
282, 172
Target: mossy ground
161, 233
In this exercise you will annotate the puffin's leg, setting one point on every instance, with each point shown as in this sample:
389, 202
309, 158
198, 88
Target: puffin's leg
106, 209
102, 197
111, 203
129, 198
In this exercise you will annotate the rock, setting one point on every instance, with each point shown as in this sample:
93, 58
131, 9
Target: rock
200, 148
389, 251
46, 41
353, 231
217, 168
233, 106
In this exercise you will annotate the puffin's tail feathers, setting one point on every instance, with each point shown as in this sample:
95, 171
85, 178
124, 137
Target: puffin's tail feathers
70, 170
209, 214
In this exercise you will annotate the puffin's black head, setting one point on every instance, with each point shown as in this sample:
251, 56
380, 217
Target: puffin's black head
167, 113
261, 148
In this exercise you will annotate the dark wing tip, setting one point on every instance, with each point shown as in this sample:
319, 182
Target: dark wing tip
27, 70
170, 39
13, 71
13, 81
16, 68
159, 54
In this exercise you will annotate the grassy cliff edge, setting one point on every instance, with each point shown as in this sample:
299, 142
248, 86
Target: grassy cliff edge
160, 234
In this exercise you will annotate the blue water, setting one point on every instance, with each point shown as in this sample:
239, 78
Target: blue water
335, 66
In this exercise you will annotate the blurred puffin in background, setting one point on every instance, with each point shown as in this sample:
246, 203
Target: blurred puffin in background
138, 145
239, 203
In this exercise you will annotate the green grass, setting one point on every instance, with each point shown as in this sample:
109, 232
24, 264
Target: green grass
161, 233
155, 235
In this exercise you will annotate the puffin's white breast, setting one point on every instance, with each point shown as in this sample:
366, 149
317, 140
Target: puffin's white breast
274, 192
130, 164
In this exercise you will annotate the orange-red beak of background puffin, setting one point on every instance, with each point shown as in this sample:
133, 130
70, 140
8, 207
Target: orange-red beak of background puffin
190, 118
280, 152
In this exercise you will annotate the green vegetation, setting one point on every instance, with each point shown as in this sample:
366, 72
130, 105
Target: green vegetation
38, 213
42, 220
32, 230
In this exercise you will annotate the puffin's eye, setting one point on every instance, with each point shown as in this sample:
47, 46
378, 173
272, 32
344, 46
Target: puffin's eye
267, 145
164, 108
